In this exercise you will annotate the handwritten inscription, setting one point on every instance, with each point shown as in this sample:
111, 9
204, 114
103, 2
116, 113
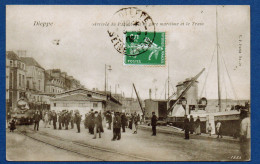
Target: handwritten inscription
42, 24
135, 24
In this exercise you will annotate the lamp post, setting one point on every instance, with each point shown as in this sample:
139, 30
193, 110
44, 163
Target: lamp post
107, 67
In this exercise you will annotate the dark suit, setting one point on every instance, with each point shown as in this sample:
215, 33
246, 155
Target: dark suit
117, 127
91, 123
78, 120
191, 125
54, 119
123, 120
186, 128
153, 123
37, 119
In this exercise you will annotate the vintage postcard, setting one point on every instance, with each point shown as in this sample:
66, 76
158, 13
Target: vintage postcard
128, 83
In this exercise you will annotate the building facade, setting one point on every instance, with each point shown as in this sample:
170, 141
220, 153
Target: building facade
82, 100
54, 81
34, 75
57, 82
16, 79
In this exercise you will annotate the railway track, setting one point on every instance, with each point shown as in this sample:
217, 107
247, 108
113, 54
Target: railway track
82, 149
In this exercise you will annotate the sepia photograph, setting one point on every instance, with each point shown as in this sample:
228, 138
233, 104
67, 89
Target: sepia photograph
128, 83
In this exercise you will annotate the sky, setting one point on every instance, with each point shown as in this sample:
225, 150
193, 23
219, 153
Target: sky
84, 49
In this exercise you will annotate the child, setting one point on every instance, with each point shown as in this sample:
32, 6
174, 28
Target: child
209, 129
12, 125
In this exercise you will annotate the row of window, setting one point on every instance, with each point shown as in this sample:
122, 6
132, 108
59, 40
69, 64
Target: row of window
17, 64
56, 81
21, 80
94, 105
55, 90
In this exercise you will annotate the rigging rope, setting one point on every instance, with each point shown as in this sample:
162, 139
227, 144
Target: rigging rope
224, 81
234, 92
163, 89
173, 90
208, 72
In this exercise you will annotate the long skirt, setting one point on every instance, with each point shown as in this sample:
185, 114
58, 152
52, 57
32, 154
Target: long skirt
46, 123
134, 128
197, 131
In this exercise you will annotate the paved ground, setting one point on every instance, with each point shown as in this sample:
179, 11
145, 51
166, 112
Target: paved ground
163, 147
20, 147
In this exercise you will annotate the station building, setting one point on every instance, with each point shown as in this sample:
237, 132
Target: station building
84, 100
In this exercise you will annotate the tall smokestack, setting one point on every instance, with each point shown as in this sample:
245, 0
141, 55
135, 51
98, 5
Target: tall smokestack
150, 93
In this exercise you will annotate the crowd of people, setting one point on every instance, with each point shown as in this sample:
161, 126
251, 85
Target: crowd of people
116, 121
93, 121
62, 118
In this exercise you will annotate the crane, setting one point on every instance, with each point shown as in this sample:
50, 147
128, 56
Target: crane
140, 103
185, 91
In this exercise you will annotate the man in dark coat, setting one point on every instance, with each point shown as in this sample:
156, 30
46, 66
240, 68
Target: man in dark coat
60, 120
71, 119
123, 121
109, 119
63, 118
66, 120
77, 118
191, 124
116, 127
54, 119
153, 123
130, 121
101, 125
97, 125
91, 122
186, 127
37, 118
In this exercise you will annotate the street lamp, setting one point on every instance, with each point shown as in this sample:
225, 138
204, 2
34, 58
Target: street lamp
107, 67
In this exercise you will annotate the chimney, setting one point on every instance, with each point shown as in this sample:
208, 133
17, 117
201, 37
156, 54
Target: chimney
150, 93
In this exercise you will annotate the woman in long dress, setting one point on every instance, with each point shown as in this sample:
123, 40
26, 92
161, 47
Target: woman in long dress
46, 120
197, 122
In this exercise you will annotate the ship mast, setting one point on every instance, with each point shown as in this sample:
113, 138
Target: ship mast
168, 82
218, 69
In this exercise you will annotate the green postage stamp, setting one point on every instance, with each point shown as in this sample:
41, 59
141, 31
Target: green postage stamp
144, 48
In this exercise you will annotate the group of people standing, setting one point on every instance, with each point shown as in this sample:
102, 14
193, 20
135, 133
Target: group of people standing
133, 122
93, 122
191, 126
121, 120
64, 118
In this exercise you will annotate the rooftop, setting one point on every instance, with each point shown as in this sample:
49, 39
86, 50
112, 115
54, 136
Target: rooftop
11, 55
29, 61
